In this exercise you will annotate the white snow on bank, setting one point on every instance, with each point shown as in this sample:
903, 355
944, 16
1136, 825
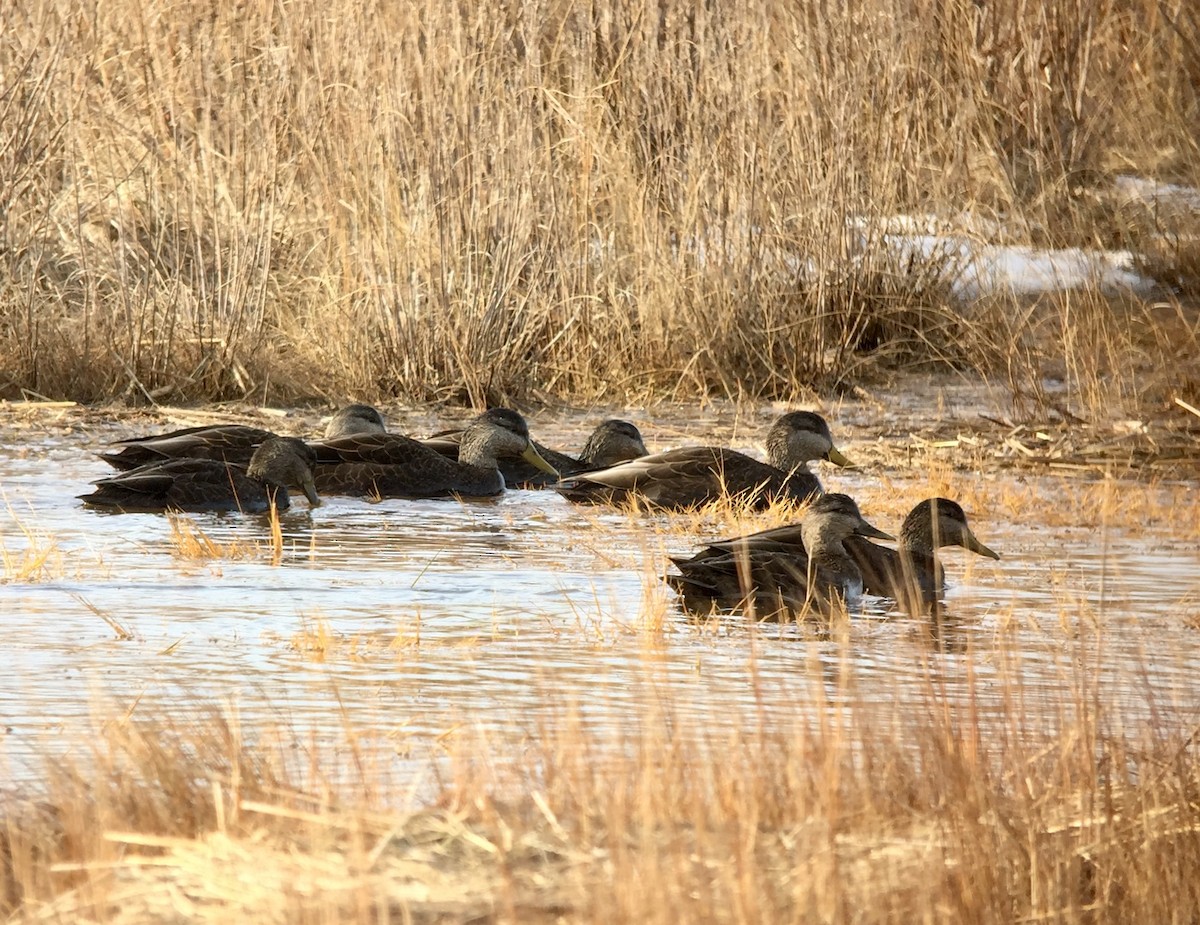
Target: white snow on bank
977, 255
1170, 196
978, 268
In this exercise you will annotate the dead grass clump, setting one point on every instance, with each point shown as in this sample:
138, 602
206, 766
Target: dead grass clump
190, 542
965, 802
37, 560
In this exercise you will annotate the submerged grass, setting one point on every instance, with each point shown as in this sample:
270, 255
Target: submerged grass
970, 801
545, 200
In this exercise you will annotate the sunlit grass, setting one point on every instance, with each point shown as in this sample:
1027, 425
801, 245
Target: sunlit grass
29, 554
189, 542
318, 641
38, 559
963, 800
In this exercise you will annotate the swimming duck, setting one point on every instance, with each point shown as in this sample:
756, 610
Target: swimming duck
911, 573
613, 441
691, 476
773, 581
231, 443
192, 484
395, 466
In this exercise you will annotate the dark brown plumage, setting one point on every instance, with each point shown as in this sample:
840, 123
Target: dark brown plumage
783, 575
394, 466
227, 443
231, 443
612, 442
191, 484
911, 573
355, 419
692, 476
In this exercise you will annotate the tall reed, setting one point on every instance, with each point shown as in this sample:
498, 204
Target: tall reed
539, 198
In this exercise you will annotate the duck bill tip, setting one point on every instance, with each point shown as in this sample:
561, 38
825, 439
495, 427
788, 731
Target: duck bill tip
534, 458
980, 549
973, 544
868, 530
835, 456
310, 492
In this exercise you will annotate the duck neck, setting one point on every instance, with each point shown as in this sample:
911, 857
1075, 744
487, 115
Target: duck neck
780, 455
916, 537
828, 562
474, 451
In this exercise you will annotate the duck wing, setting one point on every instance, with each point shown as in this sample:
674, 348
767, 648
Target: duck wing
680, 478
183, 485
233, 443
394, 466
383, 449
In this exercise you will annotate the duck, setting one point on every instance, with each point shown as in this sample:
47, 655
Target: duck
355, 419
228, 443
396, 466
613, 441
912, 574
203, 485
692, 476
779, 581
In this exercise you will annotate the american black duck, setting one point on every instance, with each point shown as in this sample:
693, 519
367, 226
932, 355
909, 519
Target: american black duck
355, 419
395, 466
612, 442
231, 443
191, 484
912, 573
692, 476
777, 580
225, 443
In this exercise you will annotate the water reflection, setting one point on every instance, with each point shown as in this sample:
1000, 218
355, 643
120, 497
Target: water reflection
411, 617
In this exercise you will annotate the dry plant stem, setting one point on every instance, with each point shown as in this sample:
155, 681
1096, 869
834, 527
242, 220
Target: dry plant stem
969, 803
563, 201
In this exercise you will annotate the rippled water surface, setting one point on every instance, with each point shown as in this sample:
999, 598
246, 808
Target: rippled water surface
412, 618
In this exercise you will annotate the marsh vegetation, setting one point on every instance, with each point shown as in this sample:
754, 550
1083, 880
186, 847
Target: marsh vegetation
496, 711
546, 200
434, 712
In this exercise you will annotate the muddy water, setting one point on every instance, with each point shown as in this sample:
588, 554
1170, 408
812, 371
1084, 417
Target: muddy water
413, 619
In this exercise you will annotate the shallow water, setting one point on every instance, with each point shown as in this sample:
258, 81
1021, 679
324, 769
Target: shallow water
498, 614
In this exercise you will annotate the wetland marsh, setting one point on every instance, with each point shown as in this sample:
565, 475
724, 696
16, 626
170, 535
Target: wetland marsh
498, 695
692, 216
417, 617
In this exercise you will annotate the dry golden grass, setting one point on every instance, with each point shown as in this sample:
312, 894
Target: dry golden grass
190, 543
543, 199
37, 559
936, 806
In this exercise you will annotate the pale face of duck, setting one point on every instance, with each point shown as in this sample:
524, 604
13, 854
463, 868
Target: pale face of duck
286, 461
355, 419
834, 517
498, 433
800, 437
829, 521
